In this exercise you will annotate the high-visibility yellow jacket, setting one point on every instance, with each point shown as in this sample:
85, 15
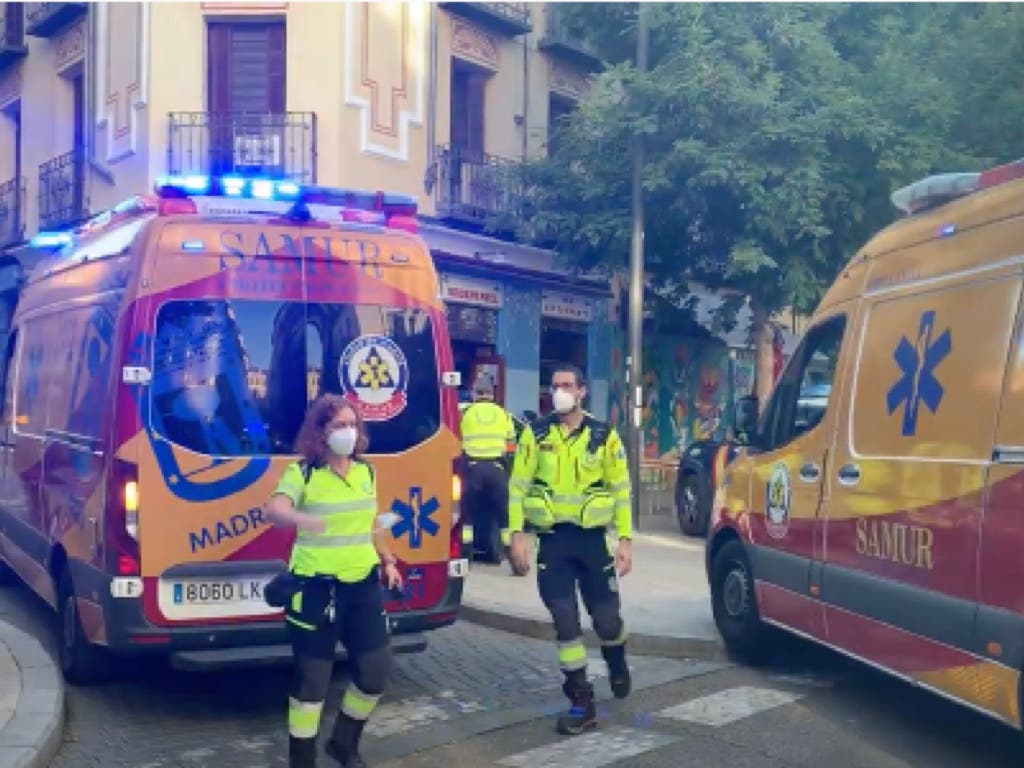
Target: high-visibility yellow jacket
580, 478
345, 549
487, 430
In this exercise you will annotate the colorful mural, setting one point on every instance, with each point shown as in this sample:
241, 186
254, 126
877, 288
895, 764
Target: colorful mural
687, 390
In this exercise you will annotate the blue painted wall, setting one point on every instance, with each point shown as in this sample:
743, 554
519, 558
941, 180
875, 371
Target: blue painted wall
519, 342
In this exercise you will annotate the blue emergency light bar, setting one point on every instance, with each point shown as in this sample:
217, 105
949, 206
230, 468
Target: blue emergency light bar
283, 190
177, 195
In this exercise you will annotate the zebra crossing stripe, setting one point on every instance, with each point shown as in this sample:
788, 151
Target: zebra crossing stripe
728, 706
593, 750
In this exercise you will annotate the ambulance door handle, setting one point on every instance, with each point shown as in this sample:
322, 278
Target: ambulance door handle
810, 472
849, 474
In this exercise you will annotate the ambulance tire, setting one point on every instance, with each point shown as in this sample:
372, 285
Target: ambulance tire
81, 662
734, 604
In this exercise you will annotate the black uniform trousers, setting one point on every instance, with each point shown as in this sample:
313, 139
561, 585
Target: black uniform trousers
485, 500
571, 557
360, 623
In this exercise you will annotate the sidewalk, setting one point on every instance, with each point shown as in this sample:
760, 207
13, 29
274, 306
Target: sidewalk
665, 598
31, 701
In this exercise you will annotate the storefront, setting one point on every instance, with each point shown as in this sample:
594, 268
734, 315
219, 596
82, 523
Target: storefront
564, 337
472, 306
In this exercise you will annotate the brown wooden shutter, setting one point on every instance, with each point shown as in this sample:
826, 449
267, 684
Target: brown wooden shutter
276, 68
475, 114
218, 68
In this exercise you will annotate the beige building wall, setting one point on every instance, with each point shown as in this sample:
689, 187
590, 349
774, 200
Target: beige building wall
364, 69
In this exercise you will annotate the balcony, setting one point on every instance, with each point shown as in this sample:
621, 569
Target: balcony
478, 189
47, 19
62, 191
12, 222
281, 146
12, 34
510, 19
561, 40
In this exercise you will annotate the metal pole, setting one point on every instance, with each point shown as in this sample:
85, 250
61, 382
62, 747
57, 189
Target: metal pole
636, 286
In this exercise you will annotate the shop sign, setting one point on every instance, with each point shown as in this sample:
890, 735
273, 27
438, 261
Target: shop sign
468, 290
564, 306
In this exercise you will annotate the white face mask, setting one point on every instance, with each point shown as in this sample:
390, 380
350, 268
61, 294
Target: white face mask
563, 401
343, 441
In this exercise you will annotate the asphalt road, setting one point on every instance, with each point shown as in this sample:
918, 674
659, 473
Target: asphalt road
479, 697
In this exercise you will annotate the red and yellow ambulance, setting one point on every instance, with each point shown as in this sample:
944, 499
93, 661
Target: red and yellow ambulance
158, 363
884, 515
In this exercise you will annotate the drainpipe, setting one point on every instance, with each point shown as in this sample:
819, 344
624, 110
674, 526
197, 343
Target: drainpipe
432, 91
91, 56
526, 94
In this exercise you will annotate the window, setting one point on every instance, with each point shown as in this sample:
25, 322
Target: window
560, 109
246, 68
235, 378
467, 109
801, 397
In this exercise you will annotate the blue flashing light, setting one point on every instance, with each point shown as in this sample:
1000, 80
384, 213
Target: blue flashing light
233, 186
262, 188
194, 184
193, 246
947, 230
51, 240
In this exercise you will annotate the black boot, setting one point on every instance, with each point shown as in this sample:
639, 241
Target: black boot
618, 670
343, 745
301, 752
582, 714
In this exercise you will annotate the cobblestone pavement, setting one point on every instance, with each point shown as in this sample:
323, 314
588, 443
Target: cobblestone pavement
469, 681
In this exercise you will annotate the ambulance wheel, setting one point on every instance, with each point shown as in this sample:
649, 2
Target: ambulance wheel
734, 603
81, 662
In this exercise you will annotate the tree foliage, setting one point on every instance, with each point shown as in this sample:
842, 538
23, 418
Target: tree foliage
773, 134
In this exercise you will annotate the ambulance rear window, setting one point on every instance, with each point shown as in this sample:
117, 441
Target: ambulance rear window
234, 378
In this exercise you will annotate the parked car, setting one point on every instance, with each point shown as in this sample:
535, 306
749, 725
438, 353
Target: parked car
700, 468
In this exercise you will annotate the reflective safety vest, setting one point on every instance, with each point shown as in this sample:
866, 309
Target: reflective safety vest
349, 507
580, 478
487, 430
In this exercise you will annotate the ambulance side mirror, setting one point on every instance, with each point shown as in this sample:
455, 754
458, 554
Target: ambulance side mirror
451, 379
745, 416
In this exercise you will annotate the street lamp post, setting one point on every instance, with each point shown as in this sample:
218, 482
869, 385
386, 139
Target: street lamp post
636, 287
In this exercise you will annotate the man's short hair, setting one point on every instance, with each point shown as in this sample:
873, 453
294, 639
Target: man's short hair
570, 368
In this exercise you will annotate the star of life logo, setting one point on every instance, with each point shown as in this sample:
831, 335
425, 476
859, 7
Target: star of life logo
374, 375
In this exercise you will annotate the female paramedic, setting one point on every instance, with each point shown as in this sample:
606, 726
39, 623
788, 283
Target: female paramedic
332, 588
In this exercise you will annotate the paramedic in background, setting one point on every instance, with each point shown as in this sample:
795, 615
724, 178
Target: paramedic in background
488, 434
330, 496
570, 480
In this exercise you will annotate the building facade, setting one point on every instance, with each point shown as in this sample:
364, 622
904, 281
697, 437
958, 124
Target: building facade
438, 100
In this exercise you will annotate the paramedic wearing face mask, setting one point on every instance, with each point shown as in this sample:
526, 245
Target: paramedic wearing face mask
570, 480
333, 588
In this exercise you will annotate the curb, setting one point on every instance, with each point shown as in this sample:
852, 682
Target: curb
639, 644
33, 735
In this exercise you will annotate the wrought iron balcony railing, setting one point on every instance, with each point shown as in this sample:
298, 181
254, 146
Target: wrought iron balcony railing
47, 19
477, 188
12, 222
560, 39
62, 200
506, 18
12, 34
282, 145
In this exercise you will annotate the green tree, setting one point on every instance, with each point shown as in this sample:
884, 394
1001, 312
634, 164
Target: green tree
774, 134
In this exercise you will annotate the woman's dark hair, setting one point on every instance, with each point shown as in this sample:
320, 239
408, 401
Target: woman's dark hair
311, 442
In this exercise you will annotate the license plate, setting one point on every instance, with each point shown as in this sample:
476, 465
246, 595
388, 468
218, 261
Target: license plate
233, 597
218, 592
